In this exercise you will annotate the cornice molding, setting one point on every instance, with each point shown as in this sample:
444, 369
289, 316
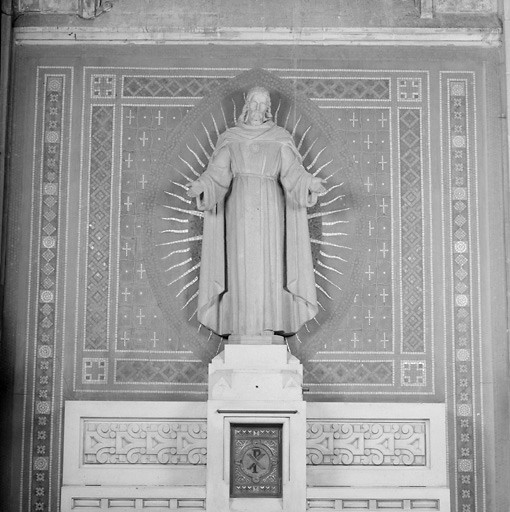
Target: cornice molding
401, 36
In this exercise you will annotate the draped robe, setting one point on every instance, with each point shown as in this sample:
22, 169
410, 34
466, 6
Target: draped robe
256, 269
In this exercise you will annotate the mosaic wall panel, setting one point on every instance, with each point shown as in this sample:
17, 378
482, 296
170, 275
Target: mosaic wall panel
378, 181
42, 411
378, 344
391, 312
122, 341
462, 288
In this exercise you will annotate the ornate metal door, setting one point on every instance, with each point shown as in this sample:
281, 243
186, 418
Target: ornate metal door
256, 461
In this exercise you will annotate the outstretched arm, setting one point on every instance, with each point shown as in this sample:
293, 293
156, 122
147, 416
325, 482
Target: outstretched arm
213, 184
300, 185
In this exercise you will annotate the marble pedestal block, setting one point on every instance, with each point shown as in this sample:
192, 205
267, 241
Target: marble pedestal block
250, 387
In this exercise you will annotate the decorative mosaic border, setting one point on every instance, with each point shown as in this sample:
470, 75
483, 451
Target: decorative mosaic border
42, 408
411, 211
101, 161
368, 373
462, 288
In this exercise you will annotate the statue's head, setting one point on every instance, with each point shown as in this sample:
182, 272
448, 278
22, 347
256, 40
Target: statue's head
257, 108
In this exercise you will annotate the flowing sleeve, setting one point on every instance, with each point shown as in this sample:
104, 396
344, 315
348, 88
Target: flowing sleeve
295, 180
299, 264
215, 179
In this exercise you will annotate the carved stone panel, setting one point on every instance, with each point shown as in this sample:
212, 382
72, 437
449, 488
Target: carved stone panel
368, 443
256, 465
144, 442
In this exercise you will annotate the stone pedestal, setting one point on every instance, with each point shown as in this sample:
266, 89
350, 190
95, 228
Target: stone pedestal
264, 339
250, 387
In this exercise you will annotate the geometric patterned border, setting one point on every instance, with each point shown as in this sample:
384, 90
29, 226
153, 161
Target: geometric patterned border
98, 240
43, 408
169, 87
460, 229
411, 211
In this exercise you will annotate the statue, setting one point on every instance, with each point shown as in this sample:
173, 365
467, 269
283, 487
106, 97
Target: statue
256, 275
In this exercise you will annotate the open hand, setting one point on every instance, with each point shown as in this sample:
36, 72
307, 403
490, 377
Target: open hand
317, 187
195, 189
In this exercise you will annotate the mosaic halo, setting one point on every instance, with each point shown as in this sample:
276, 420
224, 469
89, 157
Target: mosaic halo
174, 226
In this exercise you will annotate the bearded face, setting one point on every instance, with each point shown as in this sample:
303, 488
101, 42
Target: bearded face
257, 105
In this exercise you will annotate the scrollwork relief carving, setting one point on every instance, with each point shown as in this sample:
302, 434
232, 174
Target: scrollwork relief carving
366, 443
141, 442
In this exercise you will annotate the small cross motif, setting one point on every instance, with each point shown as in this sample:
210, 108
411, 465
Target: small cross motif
369, 317
141, 271
413, 373
384, 250
370, 228
126, 294
382, 162
143, 181
384, 340
143, 139
353, 119
103, 86
154, 340
368, 184
140, 316
382, 120
355, 339
383, 295
126, 249
383, 205
128, 203
95, 370
129, 160
409, 89
124, 339
369, 272
159, 117
130, 116
368, 141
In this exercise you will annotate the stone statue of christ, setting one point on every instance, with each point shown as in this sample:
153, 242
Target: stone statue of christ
256, 275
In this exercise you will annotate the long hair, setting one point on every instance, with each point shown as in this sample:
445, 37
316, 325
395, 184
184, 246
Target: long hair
244, 114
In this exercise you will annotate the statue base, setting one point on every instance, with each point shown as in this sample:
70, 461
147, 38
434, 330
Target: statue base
256, 339
256, 428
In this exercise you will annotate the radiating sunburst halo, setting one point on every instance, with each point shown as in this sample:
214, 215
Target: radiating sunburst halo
174, 226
